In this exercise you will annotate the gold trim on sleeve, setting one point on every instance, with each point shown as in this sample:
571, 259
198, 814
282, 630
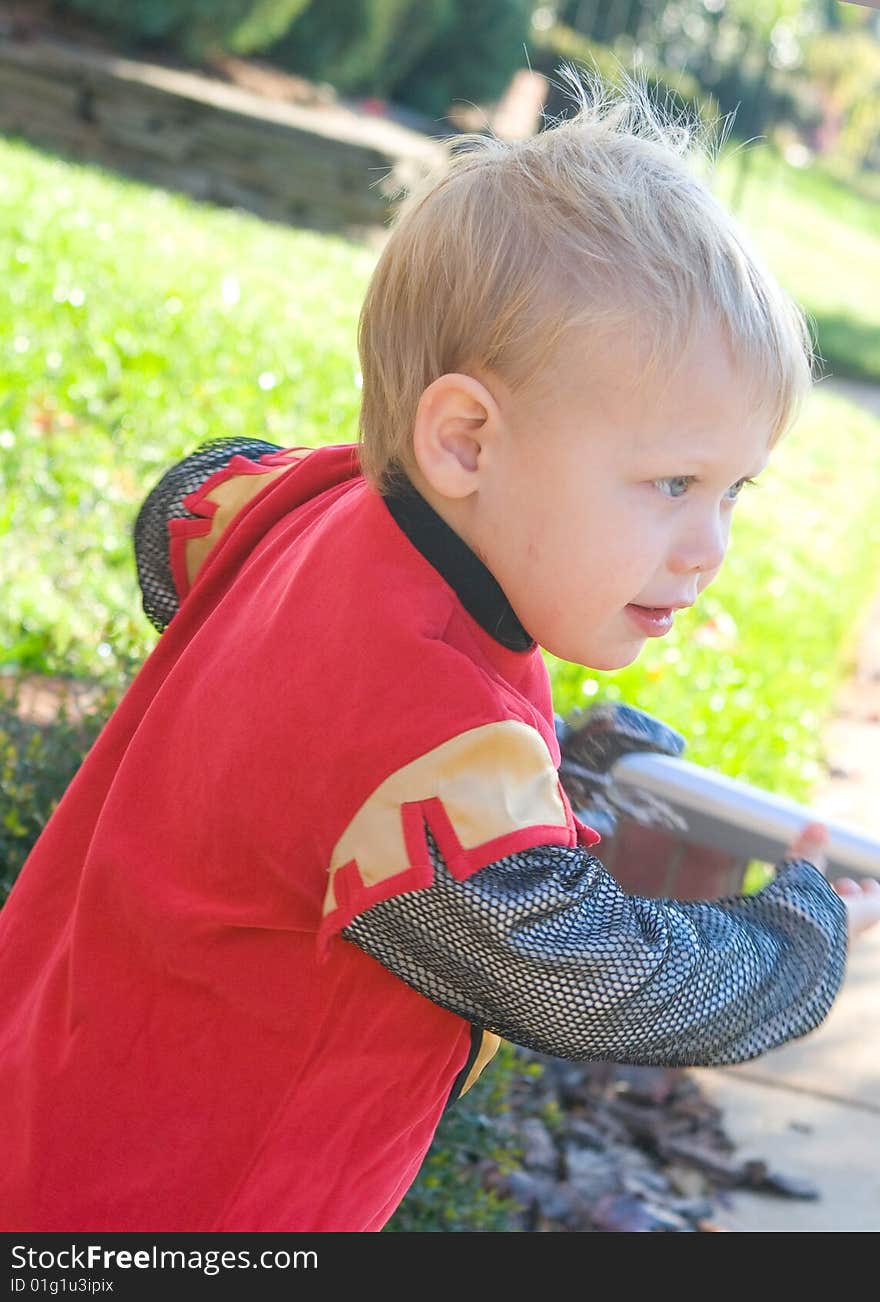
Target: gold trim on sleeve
230, 497
493, 780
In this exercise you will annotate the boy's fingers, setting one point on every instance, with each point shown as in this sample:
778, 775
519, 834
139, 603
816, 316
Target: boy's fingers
847, 886
812, 832
810, 844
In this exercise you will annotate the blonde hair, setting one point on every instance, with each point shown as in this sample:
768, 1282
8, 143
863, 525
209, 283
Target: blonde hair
597, 223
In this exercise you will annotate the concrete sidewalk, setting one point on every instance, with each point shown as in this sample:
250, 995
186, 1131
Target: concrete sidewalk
811, 1111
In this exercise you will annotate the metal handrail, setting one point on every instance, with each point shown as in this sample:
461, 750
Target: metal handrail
618, 763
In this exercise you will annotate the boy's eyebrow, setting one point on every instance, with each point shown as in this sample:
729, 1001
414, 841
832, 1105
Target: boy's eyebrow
701, 468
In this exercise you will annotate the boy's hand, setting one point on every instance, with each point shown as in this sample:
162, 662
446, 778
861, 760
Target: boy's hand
810, 845
862, 898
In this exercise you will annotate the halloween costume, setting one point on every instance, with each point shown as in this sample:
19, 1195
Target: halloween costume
317, 861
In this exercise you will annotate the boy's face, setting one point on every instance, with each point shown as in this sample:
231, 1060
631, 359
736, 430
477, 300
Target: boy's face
599, 498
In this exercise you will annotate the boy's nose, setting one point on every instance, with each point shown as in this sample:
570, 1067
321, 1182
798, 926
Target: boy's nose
702, 549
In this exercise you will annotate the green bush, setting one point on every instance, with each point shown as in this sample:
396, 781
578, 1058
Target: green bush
453, 1191
846, 68
473, 58
362, 48
421, 55
37, 763
194, 26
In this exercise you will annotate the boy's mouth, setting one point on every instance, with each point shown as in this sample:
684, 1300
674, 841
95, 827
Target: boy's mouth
651, 620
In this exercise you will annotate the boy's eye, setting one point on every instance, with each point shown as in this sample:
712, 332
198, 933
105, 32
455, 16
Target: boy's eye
677, 482
736, 489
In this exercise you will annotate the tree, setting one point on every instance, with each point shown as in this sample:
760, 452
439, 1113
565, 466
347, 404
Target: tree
473, 58
362, 46
423, 55
845, 64
195, 26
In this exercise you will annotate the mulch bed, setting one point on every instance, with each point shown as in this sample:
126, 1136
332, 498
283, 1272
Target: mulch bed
617, 1149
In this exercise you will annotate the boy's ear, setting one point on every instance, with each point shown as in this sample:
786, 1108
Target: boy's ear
456, 422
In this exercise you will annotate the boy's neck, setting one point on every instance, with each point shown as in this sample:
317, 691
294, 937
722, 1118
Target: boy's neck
474, 584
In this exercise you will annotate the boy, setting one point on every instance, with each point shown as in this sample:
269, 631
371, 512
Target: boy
320, 858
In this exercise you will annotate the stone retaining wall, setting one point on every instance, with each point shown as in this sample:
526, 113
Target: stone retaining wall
324, 167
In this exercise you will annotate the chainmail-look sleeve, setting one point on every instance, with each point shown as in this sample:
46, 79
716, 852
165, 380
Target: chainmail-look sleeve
164, 503
545, 949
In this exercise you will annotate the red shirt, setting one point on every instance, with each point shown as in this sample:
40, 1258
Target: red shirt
186, 1042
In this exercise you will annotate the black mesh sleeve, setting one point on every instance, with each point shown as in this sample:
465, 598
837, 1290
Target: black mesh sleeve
164, 503
545, 949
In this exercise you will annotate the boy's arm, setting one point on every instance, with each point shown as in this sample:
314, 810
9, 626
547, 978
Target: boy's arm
545, 949
165, 503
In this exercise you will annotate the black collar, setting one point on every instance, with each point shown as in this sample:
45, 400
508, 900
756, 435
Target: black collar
476, 587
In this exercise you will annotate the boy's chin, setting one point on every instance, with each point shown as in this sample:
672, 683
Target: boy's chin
609, 663
603, 659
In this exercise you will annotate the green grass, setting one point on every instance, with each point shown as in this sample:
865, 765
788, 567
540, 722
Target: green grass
135, 326
822, 240
139, 324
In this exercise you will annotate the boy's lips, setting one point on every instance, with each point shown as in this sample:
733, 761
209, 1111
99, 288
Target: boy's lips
654, 620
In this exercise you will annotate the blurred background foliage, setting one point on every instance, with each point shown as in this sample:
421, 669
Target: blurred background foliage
195, 27
810, 65
424, 56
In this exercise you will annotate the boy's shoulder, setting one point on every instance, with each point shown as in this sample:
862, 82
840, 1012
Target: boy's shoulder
290, 556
